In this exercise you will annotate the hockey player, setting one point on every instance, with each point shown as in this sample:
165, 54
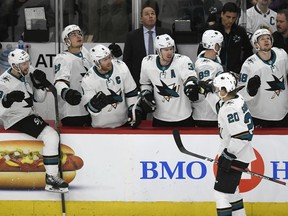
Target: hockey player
207, 66
260, 16
20, 85
236, 132
264, 76
110, 92
168, 81
70, 66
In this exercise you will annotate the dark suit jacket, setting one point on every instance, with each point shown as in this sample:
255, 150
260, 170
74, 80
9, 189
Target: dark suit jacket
134, 50
280, 41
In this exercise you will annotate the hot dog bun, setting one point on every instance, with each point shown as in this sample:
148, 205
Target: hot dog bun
21, 164
28, 180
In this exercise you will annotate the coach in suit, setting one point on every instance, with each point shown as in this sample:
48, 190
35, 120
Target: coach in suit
137, 42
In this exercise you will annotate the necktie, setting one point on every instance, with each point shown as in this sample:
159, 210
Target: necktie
150, 43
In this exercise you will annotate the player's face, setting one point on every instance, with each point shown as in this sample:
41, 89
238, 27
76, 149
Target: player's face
222, 93
282, 23
167, 54
228, 19
264, 42
106, 64
148, 17
24, 67
76, 39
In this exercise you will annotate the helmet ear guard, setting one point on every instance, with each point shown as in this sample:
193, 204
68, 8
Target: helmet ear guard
99, 52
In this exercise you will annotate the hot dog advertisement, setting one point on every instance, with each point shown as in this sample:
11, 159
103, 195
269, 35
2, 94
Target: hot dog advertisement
22, 167
136, 168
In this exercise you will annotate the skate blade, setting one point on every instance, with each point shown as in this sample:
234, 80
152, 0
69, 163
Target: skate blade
56, 190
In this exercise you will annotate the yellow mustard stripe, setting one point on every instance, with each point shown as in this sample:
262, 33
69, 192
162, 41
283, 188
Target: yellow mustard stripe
77, 208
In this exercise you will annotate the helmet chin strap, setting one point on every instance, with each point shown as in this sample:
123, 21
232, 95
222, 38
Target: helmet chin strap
18, 70
218, 52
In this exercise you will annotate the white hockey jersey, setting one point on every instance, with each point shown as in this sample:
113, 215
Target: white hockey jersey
172, 104
69, 71
206, 69
119, 85
236, 129
256, 20
271, 100
18, 110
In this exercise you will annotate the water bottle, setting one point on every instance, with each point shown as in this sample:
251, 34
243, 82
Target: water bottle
21, 43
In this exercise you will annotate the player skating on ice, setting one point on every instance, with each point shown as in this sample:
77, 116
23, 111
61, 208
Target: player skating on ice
236, 132
20, 86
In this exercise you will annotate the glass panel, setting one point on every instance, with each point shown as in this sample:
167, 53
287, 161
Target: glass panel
12, 18
106, 20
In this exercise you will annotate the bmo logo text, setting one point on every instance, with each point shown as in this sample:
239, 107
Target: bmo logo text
197, 171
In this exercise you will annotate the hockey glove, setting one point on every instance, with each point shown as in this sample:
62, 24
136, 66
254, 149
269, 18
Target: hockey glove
71, 96
10, 98
134, 116
147, 103
225, 160
115, 50
98, 102
253, 85
205, 87
191, 89
39, 79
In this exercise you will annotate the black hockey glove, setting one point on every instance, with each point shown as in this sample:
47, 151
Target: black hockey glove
205, 87
10, 98
73, 97
39, 79
253, 85
147, 103
115, 50
98, 102
191, 89
135, 120
225, 160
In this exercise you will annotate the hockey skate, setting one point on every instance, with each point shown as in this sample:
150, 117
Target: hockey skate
56, 184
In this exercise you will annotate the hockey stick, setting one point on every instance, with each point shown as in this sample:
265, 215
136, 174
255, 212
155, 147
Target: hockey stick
134, 111
57, 122
181, 147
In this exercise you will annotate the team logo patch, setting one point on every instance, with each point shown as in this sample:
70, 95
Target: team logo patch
168, 91
236, 38
276, 85
114, 98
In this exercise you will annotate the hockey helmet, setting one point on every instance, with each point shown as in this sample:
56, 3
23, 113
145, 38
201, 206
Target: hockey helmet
163, 41
67, 30
258, 33
210, 38
17, 57
99, 52
226, 80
